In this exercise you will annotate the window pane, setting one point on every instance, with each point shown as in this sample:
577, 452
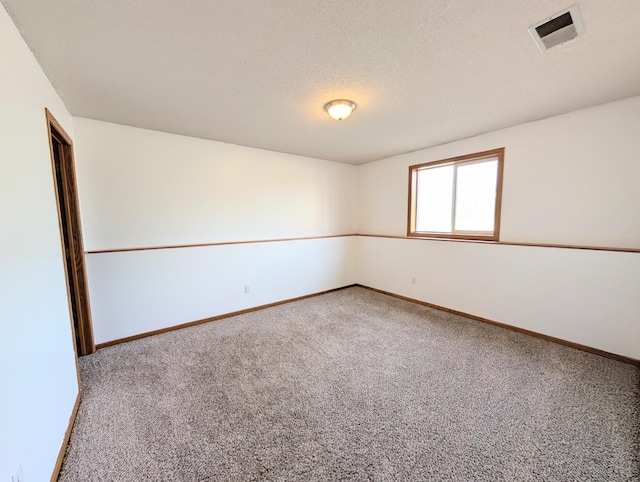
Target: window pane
434, 200
476, 196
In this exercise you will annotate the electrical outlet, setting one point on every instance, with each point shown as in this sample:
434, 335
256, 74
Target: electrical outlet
17, 475
247, 289
413, 280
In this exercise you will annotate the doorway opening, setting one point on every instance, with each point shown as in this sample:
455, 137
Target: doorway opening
64, 178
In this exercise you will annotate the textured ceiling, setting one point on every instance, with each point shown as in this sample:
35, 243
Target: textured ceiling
257, 72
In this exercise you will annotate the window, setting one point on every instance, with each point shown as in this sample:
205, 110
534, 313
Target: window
458, 197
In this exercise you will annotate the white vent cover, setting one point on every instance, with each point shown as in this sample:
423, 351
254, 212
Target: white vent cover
557, 29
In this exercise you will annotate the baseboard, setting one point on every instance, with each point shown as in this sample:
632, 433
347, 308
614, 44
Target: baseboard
524, 331
67, 435
213, 318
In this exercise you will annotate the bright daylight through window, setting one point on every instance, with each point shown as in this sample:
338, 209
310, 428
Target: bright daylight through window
458, 197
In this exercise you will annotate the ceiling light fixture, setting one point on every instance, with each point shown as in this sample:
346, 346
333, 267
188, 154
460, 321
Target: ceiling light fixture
340, 109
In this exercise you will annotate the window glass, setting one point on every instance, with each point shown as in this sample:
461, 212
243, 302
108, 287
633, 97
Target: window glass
476, 196
458, 197
435, 199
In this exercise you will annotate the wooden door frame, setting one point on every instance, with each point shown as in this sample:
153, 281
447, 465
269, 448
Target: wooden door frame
78, 276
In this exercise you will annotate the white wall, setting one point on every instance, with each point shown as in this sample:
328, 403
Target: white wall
571, 179
587, 297
141, 291
38, 384
140, 188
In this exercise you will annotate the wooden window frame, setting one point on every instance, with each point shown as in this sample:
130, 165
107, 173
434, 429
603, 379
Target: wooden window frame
497, 154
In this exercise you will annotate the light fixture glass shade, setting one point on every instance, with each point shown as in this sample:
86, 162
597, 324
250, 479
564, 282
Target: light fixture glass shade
340, 109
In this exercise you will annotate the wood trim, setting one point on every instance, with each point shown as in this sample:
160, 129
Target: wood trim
214, 318
60, 132
498, 201
75, 274
524, 331
223, 243
505, 243
411, 213
453, 237
54, 129
65, 441
553, 339
468, 158
480, 240
477, 156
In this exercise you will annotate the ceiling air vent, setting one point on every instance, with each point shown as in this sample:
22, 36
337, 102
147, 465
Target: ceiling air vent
558, 29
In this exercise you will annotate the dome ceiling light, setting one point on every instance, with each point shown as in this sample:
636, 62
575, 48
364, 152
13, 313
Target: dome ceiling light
340, 109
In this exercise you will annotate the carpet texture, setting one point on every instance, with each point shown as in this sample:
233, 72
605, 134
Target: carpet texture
353, 385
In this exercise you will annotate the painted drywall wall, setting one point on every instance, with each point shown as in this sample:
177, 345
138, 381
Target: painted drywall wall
140, 188
141, 291
587, 297
38, 382
570, 179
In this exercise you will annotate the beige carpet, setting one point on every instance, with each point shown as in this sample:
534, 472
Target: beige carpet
353, 385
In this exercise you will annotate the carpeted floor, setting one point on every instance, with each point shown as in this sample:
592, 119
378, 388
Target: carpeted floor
353, 385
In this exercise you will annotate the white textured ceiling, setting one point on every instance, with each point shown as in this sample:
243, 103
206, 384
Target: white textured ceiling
257, 72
